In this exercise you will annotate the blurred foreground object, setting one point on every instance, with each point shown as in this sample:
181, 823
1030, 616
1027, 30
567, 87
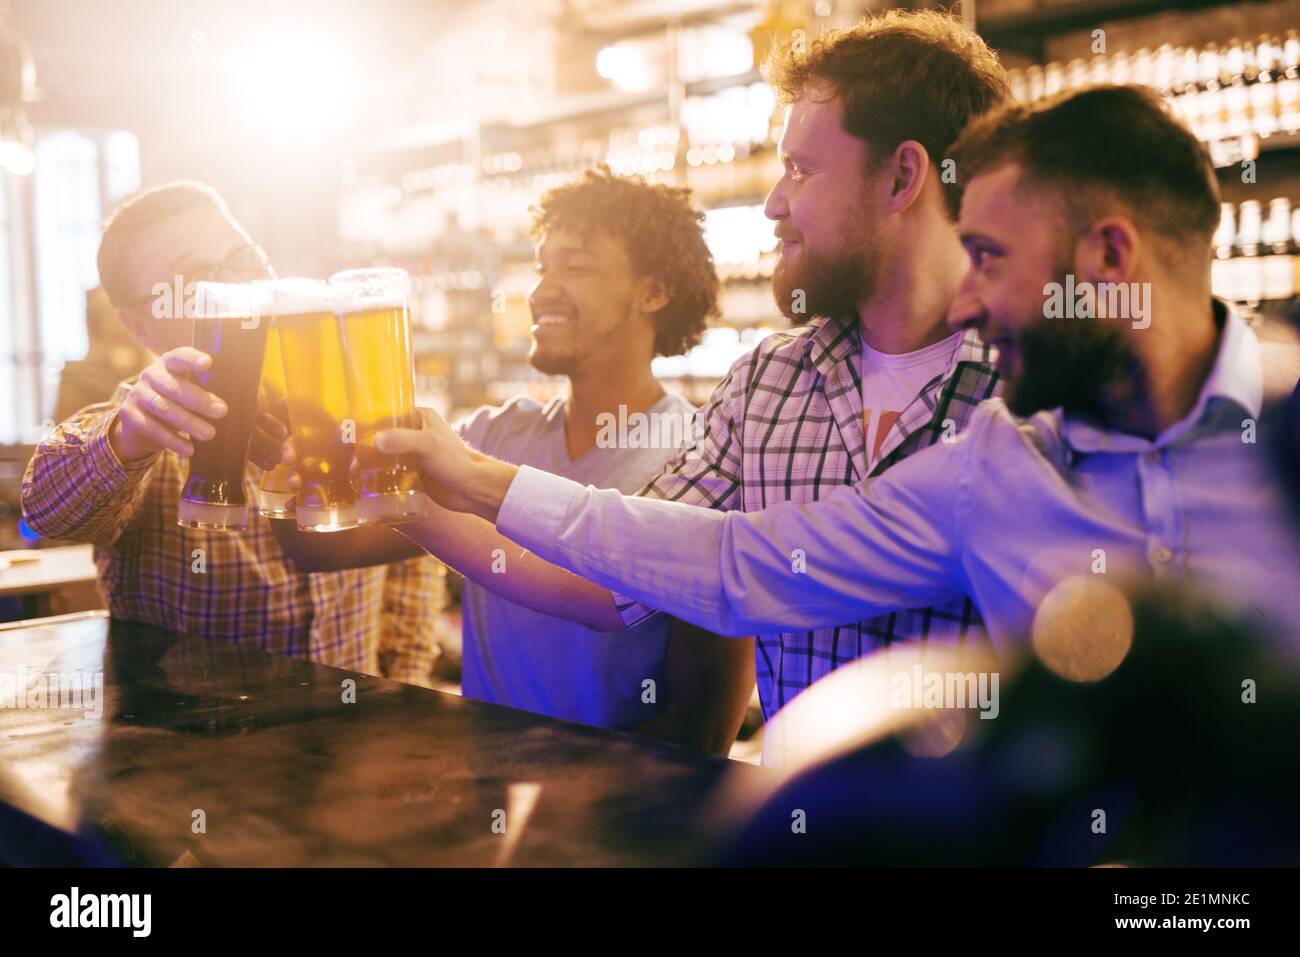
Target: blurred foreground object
1181, 755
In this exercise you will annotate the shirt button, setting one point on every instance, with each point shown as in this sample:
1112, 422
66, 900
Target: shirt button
1162, 554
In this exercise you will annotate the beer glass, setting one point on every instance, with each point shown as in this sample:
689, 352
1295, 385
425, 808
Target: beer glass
230, 322
274, 497
374, 322
319, 414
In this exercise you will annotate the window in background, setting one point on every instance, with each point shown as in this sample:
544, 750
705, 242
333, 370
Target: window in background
46, 269
8, 313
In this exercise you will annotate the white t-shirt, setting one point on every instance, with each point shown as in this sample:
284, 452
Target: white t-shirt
891, 382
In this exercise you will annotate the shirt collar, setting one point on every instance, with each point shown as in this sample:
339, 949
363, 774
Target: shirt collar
835, 340
1236, 376
838, 339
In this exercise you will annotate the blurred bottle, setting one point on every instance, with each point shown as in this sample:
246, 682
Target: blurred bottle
1278, 264
1250, 268
1288, 91
1223, 268
1263, 90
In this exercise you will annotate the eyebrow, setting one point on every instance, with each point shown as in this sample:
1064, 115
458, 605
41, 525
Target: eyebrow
794, 157
564, 251
969, 239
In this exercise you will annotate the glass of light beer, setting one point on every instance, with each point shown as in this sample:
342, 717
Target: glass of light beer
230, 322
374, 321
274, 497
320, 418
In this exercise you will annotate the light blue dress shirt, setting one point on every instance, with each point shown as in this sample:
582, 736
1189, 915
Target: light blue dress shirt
1002, 514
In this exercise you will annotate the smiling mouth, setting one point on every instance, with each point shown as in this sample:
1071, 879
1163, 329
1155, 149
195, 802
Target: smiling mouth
549, 320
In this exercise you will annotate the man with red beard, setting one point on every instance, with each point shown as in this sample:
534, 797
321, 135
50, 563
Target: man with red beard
870, 261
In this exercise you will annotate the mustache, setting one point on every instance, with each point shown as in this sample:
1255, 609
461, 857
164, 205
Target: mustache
543, 309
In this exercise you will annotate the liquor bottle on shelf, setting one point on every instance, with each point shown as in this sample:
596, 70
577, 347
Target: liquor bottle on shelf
1076, 74
1223, 269
1235, 96
1278, 267
1288, 91
1143, 71
1053, 78
1210, 97
1250, 271
1263, 89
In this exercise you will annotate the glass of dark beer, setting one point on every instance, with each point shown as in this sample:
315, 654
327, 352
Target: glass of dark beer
230, 322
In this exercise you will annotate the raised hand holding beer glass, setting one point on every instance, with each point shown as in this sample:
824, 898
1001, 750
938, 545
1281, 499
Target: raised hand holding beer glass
455, 475
230, 328
164, 410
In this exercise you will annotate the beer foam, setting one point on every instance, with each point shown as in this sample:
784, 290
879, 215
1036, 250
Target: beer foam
385, 287
296, 297
358, 302
222, 300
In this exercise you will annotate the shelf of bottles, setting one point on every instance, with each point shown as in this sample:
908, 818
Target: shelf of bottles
1237, 97
1257, 252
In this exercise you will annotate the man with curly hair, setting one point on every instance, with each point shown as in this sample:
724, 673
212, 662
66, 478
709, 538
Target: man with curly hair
623, 275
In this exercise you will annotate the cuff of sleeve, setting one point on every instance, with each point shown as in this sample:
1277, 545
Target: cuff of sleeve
535, 506
632, 611
105, 462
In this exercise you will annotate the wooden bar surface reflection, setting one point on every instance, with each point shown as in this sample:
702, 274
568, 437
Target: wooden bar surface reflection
286, 774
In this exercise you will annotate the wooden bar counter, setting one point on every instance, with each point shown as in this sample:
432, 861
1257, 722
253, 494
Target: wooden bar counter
207, 753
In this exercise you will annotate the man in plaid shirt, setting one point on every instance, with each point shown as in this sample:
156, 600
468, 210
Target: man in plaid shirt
869, 247
112, 475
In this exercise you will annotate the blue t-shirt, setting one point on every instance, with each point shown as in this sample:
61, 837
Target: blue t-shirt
523, 659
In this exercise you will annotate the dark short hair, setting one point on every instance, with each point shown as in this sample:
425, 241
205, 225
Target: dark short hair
138, 214
1099, 147
902, 75
663, 235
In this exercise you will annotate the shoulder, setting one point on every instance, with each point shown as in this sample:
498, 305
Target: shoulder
490, 424
774, 358
674, 404
994, 434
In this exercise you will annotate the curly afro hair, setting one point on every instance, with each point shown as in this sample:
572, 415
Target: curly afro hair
662, 233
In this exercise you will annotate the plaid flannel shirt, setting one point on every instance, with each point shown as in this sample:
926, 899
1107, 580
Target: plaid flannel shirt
240, 587
785, 425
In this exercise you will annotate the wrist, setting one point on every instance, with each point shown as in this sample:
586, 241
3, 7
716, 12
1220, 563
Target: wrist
489, 482
121, 445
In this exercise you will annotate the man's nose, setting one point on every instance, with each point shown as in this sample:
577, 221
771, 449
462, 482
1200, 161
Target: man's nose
543, 291
775, 206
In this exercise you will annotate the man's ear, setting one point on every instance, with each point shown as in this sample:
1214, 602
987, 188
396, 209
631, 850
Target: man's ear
652, 294
1108, 251
906, 175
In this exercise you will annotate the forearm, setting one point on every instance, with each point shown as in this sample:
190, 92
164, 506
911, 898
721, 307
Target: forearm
706, 685
337, 551
470, 545
75, 486
846, 557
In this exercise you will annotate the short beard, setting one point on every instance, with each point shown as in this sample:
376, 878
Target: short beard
1079, 365
834, 284
552, 363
